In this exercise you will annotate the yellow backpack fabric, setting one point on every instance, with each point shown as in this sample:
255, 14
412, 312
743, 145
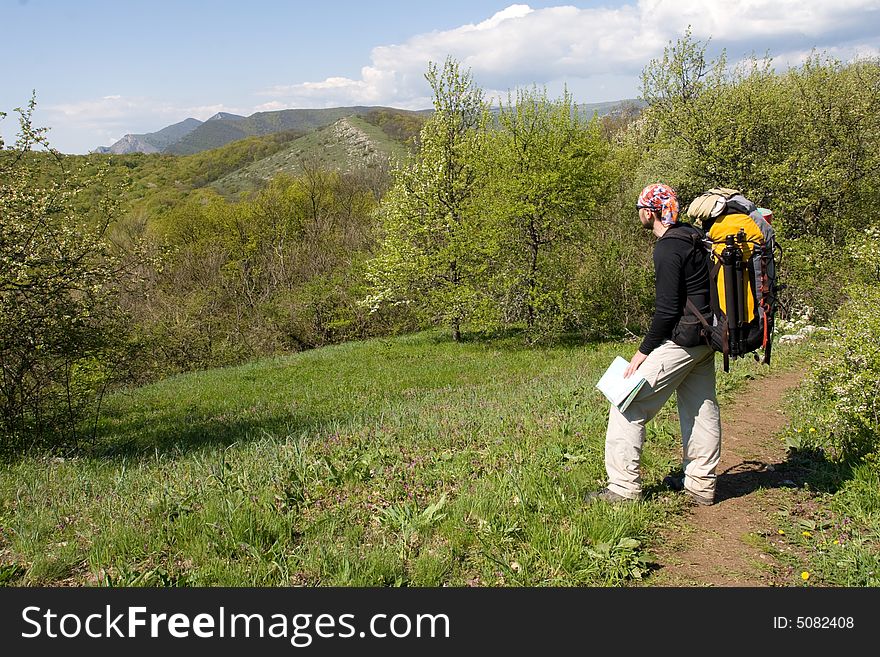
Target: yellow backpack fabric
731, 224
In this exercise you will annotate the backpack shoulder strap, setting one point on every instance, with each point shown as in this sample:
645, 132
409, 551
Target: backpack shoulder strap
686, 232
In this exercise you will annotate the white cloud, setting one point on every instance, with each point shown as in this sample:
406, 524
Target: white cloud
744, 20
598, 52
107, 119
271, 106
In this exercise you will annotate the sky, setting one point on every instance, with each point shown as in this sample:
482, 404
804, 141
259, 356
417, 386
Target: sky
104, 68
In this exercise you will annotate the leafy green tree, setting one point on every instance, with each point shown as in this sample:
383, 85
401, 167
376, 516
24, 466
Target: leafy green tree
831, 162
59, 328
681, 89
432, 254
549, 169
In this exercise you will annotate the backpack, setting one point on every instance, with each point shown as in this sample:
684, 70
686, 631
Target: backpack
743, 286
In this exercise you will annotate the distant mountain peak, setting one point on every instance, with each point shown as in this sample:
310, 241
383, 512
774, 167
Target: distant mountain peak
227, 116
129, 144
151, 142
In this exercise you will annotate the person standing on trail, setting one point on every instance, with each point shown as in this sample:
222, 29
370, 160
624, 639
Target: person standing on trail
672, 358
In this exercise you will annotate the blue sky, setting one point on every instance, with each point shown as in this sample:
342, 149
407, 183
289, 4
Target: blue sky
103, 68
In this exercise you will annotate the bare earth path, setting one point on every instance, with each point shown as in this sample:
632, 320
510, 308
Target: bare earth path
716, 546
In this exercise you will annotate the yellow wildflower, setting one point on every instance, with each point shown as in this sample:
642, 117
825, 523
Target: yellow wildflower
779, 531
805, 575
806, 534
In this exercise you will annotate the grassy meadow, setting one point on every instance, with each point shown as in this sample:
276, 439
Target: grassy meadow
409, 461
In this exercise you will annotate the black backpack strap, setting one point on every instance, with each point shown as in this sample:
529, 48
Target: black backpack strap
713, 288
693, 235
693, 308
707, 329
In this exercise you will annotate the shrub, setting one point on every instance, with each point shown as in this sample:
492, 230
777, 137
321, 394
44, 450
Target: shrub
840, 407
59, 328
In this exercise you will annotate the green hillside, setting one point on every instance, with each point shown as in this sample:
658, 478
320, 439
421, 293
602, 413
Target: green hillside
349, 143
218, 132
158, 181
209, 135
603, 109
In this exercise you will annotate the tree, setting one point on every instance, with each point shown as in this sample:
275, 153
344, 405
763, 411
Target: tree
58, 324
549, 170
431, 256
681, 91
803, 141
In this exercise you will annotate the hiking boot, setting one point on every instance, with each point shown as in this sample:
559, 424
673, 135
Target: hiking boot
677, 484
700, 500
607, 495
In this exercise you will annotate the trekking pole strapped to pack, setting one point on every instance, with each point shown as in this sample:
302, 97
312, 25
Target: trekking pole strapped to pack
742, 275
731, 263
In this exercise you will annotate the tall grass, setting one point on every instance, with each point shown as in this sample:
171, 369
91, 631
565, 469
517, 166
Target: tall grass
408, 461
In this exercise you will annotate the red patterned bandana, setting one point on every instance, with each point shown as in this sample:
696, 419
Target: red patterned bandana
661, 198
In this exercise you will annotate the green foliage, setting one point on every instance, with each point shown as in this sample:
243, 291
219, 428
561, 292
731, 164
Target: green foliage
402, 126
816, 282
839, 408
432, 253
865, 253
548, 171
280, 270
60, 330
407, 521
9, 573
612, 285
502, 224
833, 523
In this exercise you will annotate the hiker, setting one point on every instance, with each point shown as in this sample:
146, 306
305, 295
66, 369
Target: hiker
672, 358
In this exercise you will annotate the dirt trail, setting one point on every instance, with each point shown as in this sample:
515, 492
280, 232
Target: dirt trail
715, 546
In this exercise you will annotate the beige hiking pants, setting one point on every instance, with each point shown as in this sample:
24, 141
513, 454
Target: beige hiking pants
691, 372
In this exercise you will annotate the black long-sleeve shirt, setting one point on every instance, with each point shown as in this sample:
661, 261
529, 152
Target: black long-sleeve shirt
680, 272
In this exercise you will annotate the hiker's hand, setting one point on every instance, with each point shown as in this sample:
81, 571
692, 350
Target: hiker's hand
637, 360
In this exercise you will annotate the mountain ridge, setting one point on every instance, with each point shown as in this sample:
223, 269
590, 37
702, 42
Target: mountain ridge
151, 142
193, 136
